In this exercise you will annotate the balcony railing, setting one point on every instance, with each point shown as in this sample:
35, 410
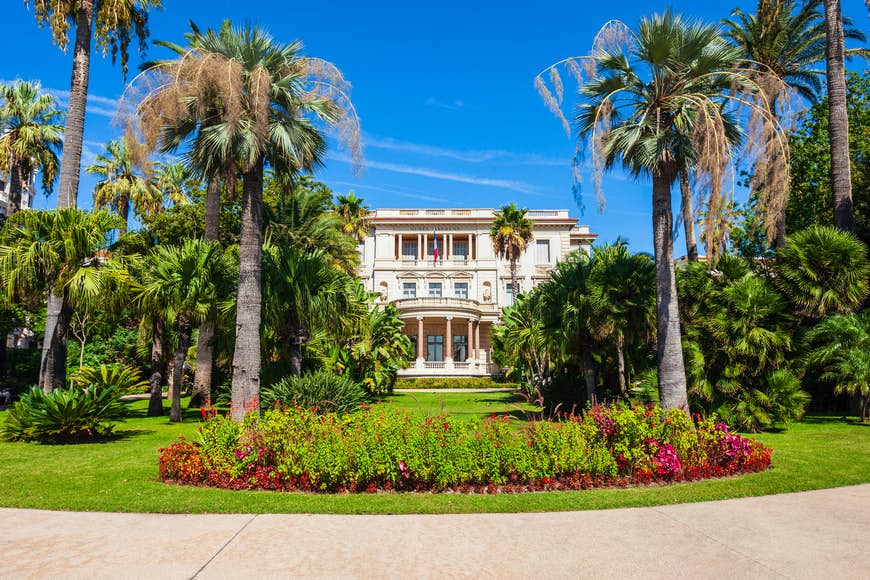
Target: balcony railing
433, 364
435, 301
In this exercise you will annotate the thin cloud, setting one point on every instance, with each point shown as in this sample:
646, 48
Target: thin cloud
454, 105
517, 186
97, 105
400, 193
470, 156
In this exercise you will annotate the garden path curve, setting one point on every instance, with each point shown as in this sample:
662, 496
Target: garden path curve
816, 534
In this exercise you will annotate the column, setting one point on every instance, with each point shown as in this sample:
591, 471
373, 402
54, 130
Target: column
477, 341
448, 344
448, 251
468, 352
420, 343
400, 257
425, 247
419, 247
470, 246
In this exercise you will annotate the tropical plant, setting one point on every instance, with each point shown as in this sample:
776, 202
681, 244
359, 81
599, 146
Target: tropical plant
622, 285
63, 415
840, 346
58, 252
188, 281
30, 136
121, 185
268, 99
123, 379
379, 346
321, 390
660, 100
823, 271
174, 180
781, 43
511, 232
355, 216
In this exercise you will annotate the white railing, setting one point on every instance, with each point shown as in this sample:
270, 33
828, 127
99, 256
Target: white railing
462, 364
433, 364
436, 301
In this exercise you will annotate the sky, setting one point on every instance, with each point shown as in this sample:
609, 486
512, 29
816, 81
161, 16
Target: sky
444, 91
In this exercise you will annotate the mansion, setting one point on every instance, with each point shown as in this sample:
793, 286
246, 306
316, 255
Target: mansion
449, 305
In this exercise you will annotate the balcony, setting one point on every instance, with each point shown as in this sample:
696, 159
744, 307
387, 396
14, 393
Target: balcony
438, 306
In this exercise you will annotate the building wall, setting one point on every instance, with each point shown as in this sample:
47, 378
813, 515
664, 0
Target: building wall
385, 267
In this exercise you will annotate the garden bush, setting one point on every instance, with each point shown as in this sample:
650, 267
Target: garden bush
454, 383
323, 390
63, 415
373, 449
124, 379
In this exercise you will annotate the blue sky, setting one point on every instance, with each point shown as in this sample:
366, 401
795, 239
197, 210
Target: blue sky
444, 90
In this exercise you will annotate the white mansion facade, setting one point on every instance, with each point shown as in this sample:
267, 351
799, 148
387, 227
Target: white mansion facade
449, 306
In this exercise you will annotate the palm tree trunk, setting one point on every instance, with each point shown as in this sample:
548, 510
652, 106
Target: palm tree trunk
124, 212
513, 262
620, 364
16, 185
672, 372
155, 404
688, 216
838, 117
184, 328
52, 368
589, 375
246, 358
201, 392
71, 161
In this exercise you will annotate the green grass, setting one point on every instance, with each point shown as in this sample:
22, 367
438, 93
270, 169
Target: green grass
461, 405
121, 475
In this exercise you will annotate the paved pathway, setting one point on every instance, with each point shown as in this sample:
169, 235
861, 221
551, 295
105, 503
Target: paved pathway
817, 534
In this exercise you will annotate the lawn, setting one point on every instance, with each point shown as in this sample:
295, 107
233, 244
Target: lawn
121, 474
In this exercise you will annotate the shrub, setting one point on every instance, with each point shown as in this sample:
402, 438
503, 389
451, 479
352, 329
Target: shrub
63, 415
124, 379
454, 383
297, 449
326, 391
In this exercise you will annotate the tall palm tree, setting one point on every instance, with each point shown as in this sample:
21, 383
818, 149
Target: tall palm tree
511, 233
645, 103
782, 42
55, 252
30, 136
355, 215
186, 280
121, 185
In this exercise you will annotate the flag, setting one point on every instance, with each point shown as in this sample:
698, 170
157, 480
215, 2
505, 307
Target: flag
435, 247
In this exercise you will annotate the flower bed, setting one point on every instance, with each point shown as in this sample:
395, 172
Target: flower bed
373, 450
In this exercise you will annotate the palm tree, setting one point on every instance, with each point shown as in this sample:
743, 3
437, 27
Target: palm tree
121, 185
303, 290
842, 348
823, 271
55, 252
355, 216
511, 232
623, 284
641, 109
268, 95
782, 42
186, 280
175, 180
30, 136
115, 23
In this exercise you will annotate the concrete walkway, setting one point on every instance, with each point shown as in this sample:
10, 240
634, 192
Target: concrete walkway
817, 534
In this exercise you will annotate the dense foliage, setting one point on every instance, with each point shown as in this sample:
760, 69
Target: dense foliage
298, 449
321, 390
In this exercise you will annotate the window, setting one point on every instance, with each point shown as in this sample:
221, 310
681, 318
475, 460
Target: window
509, 294
460, 289
409, 250
460, 250
435, 289
435, 348
460, 348
409, 289
542, 251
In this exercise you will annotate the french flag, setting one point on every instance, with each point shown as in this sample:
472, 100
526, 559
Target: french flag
435, 247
